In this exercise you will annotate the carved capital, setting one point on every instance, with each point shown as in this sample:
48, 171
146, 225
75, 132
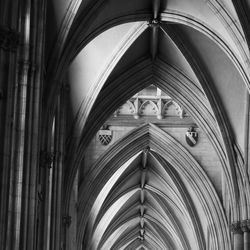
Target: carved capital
66, 220
236, 228
9, 39
244, 226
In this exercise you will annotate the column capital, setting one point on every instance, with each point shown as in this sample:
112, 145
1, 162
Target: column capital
245, 225
235, 228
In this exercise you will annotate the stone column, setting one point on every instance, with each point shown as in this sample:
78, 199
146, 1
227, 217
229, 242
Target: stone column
245, 225
9, 45
8, 69
60, 124
238, 243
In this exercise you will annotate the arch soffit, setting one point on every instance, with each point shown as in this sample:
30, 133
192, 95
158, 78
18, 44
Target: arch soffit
157, 196
180, 18
174, 231
89, 14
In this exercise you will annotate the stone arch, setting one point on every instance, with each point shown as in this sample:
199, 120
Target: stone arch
180, 158
70, 53
170, 80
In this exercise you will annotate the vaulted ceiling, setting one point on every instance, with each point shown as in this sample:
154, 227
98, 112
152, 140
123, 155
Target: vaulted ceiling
195, 51
149, 198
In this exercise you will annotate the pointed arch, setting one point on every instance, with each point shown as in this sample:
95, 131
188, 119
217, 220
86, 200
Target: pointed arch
171, 81
163, 144
71, 48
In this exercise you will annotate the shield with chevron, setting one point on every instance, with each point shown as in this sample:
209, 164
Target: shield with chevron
105, 136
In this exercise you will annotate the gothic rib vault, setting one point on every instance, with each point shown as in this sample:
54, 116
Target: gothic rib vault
96, 98
159, 48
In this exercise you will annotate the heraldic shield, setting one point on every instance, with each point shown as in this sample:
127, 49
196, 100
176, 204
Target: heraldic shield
105, 136
191, 137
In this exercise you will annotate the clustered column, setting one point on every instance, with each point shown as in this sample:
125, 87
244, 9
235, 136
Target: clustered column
241, 235
245, 227
21, 79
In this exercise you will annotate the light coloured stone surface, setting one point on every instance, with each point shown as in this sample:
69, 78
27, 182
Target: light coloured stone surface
203, 152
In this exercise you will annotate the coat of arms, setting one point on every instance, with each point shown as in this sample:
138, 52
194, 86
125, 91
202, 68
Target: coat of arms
105, 136
191, 137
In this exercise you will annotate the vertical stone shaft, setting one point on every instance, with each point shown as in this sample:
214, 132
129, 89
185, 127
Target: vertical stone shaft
245, 224
38, 40
25, 237
8, 55
246, 240
58, 170
56, 198
61, 142
14, 228
238, 243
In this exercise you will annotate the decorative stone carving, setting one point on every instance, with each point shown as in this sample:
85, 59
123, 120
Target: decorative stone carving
236, 228
105, 136
191, 137
179, 110
244, 226
150, 105
154, 23
141, 238
9, 39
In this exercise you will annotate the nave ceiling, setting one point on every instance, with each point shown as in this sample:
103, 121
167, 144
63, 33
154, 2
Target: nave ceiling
195, 51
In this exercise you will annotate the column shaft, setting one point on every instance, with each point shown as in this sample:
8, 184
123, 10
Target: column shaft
246, 240
238, 241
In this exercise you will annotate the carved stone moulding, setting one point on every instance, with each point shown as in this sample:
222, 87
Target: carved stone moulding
240, 227
245, 226
235, 228
150, 107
